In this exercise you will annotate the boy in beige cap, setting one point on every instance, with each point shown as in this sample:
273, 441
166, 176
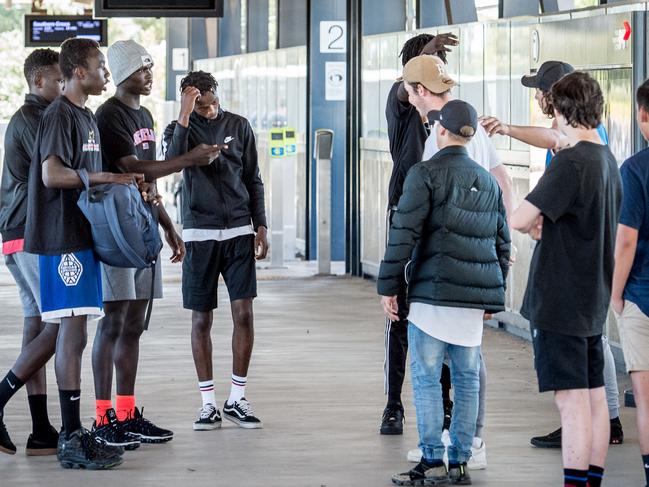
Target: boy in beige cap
429, 84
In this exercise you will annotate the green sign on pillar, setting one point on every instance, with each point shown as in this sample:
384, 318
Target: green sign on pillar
277, 142
290, 141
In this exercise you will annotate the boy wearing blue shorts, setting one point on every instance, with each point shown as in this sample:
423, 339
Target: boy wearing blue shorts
70, 279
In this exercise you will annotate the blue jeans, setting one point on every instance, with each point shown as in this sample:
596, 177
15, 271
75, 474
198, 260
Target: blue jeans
426, 358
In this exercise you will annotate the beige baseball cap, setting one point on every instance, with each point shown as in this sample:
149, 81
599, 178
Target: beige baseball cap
430, 71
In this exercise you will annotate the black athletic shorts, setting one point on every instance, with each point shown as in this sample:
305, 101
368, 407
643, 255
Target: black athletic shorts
565, 362
205, 261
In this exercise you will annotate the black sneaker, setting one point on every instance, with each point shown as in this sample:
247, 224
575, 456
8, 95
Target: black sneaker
392, 420
448, 414
459, 475
241, 413
209, 418
42, 445
422, 474
145, 430
6, 445
551, 440
82, 450
113, 433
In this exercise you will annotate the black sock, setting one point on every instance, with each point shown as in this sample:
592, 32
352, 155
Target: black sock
432, 463
445, 380
394, 401
8, 387
645, 461
70, 410
40, 420
575, 478
595, 476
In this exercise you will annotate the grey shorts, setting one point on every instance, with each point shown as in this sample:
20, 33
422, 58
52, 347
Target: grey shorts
126, 284
24, 269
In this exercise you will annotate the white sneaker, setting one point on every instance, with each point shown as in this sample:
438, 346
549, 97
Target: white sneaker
478, 460
414, 456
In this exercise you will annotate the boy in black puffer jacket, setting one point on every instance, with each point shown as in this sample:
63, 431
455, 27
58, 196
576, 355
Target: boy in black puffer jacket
449, 235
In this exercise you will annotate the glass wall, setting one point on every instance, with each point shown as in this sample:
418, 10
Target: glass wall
269, 89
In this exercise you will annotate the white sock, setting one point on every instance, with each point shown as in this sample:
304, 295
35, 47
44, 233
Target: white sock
238, 389
207, 392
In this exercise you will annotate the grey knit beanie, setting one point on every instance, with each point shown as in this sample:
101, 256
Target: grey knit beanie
125, 58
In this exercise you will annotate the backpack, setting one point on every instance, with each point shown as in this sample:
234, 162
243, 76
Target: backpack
124, 231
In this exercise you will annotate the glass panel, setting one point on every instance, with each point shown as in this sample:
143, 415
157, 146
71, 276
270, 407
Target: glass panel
371, 88
387, 75
496, 76
472, 65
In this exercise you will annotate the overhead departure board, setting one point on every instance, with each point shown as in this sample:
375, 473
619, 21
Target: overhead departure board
52, 30
159, 8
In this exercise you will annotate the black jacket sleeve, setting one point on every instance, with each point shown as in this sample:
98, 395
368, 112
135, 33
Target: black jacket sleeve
405, 230
175, 140
503, 240
252, 179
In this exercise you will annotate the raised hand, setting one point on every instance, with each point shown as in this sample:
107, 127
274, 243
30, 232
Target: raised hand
439, 44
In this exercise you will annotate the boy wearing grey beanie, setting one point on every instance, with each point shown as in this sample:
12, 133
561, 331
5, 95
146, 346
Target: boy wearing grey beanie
129, 144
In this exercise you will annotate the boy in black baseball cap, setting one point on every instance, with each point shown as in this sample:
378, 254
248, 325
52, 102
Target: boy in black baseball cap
460, 258
553, 140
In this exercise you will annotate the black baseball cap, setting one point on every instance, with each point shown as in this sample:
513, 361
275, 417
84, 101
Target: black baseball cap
548, 73
456, 116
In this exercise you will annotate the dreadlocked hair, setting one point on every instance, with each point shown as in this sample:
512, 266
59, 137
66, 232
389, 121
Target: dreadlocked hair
201, 80
414, 45
38, 61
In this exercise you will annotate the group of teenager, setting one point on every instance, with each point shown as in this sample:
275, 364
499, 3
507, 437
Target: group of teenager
48, 244
449, 251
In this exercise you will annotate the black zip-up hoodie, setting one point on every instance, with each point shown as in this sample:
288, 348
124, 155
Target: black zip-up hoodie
229, 192
19, 144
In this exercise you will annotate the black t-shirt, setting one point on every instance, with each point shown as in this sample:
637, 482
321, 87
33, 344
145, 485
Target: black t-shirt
19, 145
407, 136
55, 224
569, 287
125, 132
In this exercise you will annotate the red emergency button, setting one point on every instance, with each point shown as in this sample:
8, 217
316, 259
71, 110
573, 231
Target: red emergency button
627, 30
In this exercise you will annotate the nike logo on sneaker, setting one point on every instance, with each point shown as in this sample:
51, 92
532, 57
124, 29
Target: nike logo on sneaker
228, 139
10, 384
73, 398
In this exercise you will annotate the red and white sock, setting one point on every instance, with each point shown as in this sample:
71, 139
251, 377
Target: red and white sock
207, 392
238, 389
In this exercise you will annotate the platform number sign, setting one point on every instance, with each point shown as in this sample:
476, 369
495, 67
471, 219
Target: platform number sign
333, 36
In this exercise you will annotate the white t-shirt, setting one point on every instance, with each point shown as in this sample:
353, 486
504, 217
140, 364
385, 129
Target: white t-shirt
480, 149
204, 234
457, 326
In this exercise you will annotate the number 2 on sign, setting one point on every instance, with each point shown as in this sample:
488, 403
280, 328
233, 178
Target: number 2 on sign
333, 36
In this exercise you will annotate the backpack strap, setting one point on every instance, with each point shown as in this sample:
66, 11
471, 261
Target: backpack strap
85, 179
111, 213
149, 307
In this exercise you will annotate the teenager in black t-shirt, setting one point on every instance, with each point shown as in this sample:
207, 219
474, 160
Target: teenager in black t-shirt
129, 145
573, 211
44, 79
407, 135
68, 140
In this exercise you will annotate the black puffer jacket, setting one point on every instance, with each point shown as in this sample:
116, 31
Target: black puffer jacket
450, 222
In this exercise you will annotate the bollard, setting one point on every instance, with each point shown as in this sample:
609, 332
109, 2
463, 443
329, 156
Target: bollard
323, 151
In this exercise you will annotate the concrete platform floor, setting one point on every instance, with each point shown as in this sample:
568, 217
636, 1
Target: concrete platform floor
316, 382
